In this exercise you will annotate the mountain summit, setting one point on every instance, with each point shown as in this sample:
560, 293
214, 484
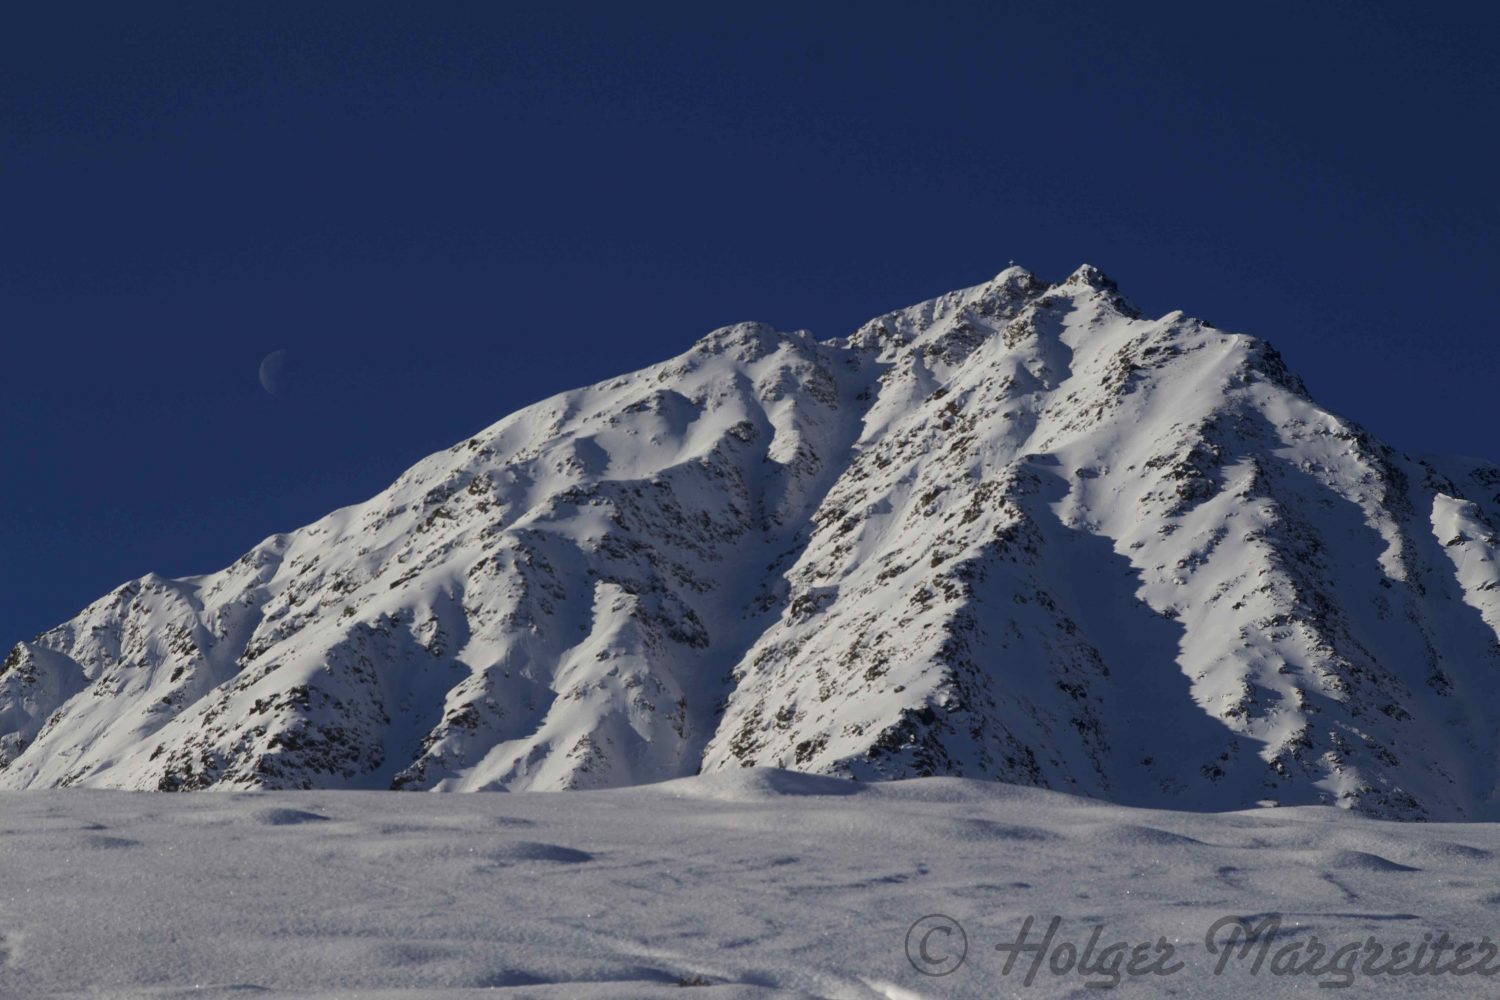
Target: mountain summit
1018, 532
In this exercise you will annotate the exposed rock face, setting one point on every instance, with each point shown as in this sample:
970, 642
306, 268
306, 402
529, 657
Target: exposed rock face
1018, 532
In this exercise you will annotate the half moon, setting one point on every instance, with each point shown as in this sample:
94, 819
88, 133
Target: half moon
272, 367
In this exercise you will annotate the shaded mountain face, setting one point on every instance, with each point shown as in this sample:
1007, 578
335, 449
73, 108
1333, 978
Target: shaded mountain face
1017, 532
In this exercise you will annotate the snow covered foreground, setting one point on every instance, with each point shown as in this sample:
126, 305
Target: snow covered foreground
751, 883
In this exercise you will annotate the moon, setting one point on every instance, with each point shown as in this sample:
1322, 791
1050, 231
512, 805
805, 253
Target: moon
272, 371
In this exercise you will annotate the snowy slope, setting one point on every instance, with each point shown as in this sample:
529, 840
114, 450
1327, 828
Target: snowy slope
746, 884
1019, 532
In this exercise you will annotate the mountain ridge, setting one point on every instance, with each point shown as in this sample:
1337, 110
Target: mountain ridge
1018, 531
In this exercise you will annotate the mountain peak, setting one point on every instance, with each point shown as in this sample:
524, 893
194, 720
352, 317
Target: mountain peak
1016, 281
1015, 531
1014, 273
749, 338
1091, 276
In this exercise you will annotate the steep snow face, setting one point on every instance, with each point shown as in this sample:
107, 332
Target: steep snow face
552, 603
1017, 532
1082, 549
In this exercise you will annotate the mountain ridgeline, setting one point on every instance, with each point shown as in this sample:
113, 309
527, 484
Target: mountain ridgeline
1018, 532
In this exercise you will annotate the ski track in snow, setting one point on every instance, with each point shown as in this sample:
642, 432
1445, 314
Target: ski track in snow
747, 883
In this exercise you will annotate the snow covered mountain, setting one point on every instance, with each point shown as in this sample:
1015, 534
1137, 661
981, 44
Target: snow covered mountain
1017, 532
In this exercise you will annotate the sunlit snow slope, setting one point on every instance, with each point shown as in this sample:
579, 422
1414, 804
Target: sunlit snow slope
1017, 532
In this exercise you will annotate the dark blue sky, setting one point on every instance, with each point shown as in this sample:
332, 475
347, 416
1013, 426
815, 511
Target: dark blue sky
445, 212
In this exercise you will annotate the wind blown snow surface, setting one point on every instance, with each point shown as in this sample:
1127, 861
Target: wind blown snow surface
743, 883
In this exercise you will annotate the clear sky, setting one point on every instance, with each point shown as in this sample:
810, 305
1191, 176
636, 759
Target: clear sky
443, 212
